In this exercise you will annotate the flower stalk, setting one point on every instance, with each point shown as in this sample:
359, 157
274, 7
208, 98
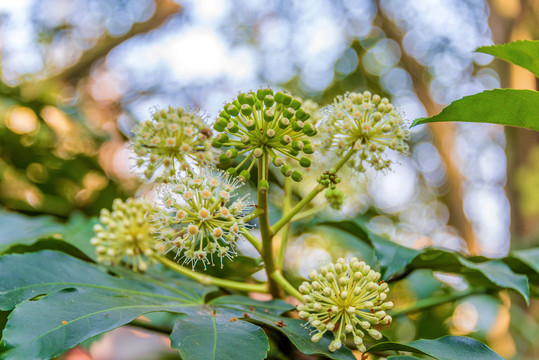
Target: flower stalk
211, 280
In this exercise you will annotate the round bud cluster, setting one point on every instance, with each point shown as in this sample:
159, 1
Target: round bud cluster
335, 198
369, 124
345, 298
174, 139
198, 218
125, 235
265, 123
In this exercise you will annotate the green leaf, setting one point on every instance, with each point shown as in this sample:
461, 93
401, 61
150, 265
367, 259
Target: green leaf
61, 320
241, 268
498, 106
394, 258
83, 301
26, 276
30, 234
493, 273
525, 262
523, 53
294, 329
21, 229
403, 357
444, 348
218, 334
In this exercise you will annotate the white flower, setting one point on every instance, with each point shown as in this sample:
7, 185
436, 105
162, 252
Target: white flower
198, 218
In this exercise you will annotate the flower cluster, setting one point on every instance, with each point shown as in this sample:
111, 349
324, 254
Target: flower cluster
260, 123
125, 234
174, 139
198, 218
345, 298
369, 124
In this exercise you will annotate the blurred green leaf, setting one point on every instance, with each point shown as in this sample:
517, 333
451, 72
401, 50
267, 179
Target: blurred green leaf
498, 106
444, 348
22, 229
525, 262
34, 233
523, 53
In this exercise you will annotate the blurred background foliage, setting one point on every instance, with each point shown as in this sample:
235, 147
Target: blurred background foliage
76, 75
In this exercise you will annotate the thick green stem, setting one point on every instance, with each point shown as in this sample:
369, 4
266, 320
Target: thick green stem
256, 213
287, 204
265, 230
438, 300
289, 288
210, 280
310, 196
253, 240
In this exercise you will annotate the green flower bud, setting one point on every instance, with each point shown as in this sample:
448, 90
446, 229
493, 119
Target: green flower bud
297, 176
305, 162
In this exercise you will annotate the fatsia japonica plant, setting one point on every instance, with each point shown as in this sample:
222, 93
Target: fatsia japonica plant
231, 186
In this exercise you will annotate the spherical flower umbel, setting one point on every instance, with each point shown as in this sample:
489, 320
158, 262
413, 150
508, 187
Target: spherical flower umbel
125, 234
262, 123
198, 218
174, 139
345, 298
369, 124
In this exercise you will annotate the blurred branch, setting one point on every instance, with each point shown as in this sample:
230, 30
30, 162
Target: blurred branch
442, 133
163, 10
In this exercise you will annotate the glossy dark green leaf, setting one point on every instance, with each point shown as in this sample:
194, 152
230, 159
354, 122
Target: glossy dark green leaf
294, 329
498, 106
523, 53
47, 328
83, 301
211, 334
26, 276
444, 348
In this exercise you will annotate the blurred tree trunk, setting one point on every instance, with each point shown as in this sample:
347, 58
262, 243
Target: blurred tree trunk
442, 133
513, 20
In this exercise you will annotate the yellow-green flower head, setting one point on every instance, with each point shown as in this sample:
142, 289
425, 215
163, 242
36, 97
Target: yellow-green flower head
346, 299
369, 124
262, 123
173, 140
125, 235
199, 218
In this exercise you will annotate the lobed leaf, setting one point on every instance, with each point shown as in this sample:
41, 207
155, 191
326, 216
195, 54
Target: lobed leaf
523, 53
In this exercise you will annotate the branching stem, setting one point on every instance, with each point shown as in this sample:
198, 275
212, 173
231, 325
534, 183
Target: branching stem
211, 280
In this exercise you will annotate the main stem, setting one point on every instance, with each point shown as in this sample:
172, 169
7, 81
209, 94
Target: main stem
211, 280
287, 204
265, 230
